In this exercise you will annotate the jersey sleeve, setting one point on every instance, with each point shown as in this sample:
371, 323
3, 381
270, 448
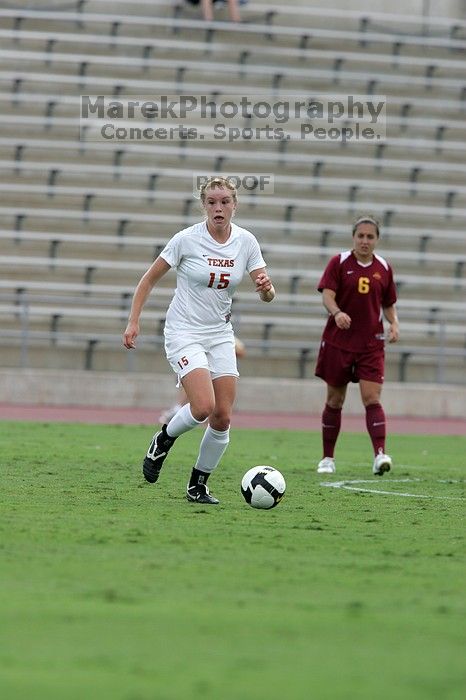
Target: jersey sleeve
389, 297
172, 253
330, 277
255, 259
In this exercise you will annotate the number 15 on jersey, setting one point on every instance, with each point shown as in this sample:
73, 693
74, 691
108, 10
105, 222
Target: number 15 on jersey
220, 281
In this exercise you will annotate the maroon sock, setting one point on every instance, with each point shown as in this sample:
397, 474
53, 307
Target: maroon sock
331, 423
375, 422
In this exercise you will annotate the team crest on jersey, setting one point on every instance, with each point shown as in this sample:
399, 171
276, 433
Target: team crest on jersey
377, 275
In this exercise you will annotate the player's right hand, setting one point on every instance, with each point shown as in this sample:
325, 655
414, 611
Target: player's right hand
130, 335
343, 321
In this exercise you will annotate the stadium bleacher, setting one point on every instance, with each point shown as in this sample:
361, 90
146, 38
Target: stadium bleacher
82, 218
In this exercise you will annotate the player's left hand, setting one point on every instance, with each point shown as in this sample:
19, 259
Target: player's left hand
263, 283
130, 335
393, 332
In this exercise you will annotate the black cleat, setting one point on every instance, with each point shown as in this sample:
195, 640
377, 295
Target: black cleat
200, 494
155, 457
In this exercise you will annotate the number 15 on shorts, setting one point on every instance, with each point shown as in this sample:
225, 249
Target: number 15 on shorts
183, 362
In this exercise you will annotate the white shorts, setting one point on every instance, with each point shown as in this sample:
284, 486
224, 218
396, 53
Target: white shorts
216, 354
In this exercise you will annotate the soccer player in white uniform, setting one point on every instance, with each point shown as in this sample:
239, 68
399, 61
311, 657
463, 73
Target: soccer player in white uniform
211, 259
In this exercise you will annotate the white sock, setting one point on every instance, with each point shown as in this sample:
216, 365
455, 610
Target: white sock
182, 421
213, 445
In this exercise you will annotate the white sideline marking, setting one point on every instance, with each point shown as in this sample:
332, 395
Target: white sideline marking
347, 485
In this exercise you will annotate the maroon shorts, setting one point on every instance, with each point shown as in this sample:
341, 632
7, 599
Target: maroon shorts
338, 367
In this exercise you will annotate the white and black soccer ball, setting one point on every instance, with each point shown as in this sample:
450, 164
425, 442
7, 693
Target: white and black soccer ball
263, 487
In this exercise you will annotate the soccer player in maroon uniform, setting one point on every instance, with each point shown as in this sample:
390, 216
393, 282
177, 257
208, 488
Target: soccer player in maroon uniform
357, 290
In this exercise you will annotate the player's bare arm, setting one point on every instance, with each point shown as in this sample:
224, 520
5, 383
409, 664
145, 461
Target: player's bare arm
156, 271
263, 283
341, 319
394, 328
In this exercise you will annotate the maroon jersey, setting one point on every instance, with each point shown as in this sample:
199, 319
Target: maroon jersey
362, 291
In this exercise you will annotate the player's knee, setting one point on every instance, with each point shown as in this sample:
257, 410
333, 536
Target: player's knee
202, 408
370, 400
335, 396
221, 426
336, 400
336, 403
220, 420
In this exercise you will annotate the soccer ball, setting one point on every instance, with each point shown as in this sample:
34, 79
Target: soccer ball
263, 487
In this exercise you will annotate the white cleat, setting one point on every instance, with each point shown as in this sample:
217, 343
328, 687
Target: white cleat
382, 464
326, 466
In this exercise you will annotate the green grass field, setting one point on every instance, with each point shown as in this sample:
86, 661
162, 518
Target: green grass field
112, 588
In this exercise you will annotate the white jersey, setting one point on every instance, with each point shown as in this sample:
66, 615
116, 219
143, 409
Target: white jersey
207, 276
